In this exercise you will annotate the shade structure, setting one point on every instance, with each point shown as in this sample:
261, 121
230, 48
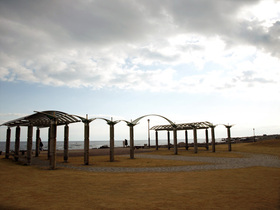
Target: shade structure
43, 119
50, 119
184, 126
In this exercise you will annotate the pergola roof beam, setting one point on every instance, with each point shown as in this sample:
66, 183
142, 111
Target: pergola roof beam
43, 119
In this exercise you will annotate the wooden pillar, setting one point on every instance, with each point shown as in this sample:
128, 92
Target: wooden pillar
86, 143
17, 143
207, 139
156, 140
175, 141
66, 142
168, 140
29, 144
229, 138
53, 144
195, 139
49, 142
8, 142
131, 141
112, 145
186, 140
37, 142
213, 138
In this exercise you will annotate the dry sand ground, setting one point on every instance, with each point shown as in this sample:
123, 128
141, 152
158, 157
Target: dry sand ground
33, 187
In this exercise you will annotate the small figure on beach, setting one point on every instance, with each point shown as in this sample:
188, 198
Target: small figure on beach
41, 144
125, 143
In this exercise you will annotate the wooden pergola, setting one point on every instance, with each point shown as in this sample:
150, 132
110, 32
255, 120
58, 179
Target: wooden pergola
194, 127
46, 119
52, 119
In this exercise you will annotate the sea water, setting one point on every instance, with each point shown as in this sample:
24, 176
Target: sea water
76, 145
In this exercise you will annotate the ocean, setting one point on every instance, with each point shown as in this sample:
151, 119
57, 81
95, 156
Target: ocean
74, 145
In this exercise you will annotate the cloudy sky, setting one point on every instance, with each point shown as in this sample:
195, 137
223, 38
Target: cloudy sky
189, 60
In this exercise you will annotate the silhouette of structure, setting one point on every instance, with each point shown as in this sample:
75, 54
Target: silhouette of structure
51, 119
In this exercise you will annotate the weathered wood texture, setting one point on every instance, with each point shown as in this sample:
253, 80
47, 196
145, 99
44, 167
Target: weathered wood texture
86, 143
37, 142
213, 138
156, 140
207, 139
17, 140
186, 140
53, 144
168, 140
195, 139
8, 142
112, 145
175, 141
29, 144
66, 143
131, 141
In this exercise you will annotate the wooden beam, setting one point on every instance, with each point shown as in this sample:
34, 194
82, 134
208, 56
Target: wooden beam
49, 142
175, 141
195, 139
8, 142
131, 141
229, 138
53, 144
186, 140
29, 143
112, 142
156, 140
86, 143
66, 142
168, 140
213, 138
17, 143
37, 142
207, 139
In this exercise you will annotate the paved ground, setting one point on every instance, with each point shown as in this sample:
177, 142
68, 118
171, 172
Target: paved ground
249, 160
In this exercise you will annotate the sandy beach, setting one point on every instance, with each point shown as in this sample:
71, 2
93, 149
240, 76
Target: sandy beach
246, 178
100, 152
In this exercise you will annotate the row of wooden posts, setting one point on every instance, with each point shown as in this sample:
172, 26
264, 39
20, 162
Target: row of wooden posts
195, 139
52, 142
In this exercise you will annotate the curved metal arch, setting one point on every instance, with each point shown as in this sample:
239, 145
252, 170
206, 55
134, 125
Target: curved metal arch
134, 122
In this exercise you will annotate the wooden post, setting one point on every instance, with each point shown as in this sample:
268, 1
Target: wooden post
49, 142
66, 142
195, 139
168, 140
17, 143
156, 140
37, 142
131, 142
213, 138
229, 138
53, 144
112, 142
29, 143
175, 141
86, 143
207, 139
186, 140
8, 142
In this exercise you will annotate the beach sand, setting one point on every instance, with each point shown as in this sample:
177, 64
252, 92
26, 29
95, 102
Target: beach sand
100, 152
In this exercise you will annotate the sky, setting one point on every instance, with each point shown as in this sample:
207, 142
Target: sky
188, 60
